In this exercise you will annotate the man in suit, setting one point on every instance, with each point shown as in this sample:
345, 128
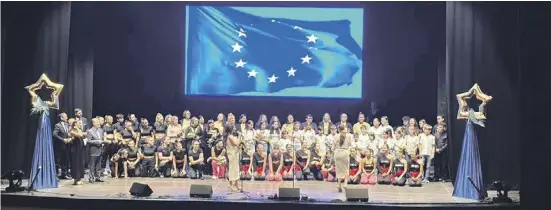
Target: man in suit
95, 140
309, 122
83, 120
344, 122
61, 146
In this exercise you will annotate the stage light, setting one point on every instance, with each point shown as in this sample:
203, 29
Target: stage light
502, 192
15, 177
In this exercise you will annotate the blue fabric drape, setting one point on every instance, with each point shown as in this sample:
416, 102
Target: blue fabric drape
469, 166
44, 156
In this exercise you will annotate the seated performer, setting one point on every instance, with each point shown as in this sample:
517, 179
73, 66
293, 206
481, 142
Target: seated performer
115, 162
275, 164
367, 166
328, 167
131, 164
354, 168
196, 161
315, 162
179, 161
145, 131
399, 170
384, 161
259, 161
289, 160
218, 160
415, 171
303, 162
164, 160
246, 169
148, 159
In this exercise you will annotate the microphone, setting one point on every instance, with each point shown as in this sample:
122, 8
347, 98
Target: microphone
31, 186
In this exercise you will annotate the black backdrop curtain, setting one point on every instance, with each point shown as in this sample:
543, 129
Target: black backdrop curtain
42, 38
483, 47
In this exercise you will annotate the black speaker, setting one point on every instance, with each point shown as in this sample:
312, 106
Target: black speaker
200, 191
139, 189
289, 194
357, 194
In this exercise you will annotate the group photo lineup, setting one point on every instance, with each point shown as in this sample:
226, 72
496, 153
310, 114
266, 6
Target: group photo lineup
264, 105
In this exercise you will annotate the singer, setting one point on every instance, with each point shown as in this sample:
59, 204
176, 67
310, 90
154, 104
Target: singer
232, 148
342, 155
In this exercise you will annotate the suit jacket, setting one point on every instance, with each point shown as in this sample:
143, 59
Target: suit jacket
313, 125
95, 140
348, 125
84, 123
320, 127
61, 131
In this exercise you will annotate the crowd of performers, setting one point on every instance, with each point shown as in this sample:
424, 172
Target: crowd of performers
241, 149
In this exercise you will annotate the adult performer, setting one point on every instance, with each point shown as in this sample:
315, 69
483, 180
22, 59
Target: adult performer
232, 148
342, 155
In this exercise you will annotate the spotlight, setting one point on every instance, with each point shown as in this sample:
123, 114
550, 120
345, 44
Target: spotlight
502, 192
15, 178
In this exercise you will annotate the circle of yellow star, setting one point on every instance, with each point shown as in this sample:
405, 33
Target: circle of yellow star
462, 98
42, 81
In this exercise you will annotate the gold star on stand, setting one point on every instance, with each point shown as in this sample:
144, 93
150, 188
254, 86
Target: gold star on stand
56, 88
462, 98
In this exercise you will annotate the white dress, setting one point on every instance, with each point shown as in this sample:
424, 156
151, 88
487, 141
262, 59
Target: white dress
233, 160
250, 142
342, 155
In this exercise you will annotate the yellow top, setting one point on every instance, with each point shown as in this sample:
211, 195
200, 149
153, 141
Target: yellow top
288, 127
358, 127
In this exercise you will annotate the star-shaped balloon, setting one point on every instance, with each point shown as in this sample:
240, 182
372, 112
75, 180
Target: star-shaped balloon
56, 88
464, 111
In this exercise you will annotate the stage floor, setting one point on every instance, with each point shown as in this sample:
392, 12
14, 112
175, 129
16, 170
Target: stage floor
256, 191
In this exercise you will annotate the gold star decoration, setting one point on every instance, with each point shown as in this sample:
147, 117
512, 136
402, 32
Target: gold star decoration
56, 88
462, 98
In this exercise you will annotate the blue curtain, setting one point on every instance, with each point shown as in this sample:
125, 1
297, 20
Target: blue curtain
469, 166
44, 156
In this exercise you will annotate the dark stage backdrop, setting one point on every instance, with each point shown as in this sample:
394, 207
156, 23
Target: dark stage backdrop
139, 63
42, 37
483, 47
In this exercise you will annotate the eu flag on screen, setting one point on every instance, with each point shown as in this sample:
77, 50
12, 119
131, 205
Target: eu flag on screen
231, 52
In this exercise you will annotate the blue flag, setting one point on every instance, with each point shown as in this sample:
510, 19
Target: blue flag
232, 52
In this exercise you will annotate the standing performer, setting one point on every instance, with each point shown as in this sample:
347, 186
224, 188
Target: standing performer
95, 145
342, 154
160, 129
77, 151
232, 148
145, 131
441, 167
62, 146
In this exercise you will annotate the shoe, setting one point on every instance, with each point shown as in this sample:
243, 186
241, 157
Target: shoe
105, 173
214, 177
99, 180
91, 181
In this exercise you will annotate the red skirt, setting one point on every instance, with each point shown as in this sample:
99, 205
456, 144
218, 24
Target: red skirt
259, 170
287, 168
353, 172
398, 173
414, 174
245, 168
385, 170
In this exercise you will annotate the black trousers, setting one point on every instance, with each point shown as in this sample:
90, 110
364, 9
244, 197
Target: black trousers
62, 156
148, 167
441, 166
94, 165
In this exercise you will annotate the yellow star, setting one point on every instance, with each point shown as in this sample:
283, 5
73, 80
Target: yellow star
462, 98
56, 88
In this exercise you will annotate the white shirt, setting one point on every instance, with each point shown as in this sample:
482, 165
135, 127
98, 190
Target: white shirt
388, 127
427, 144
389, 142
412, 143
363, 141
399, 144
308, 137
373, 144
378, 132
320, 140
283, 143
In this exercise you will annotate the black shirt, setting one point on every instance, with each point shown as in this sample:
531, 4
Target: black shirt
125, 134
354, 163
181, 155
368, 166
164, 150
132, 154
109, 129
245, 159
194, 154
149, 150
119, 127
287, 159
328, 162
315, 156
146, 131
160, 128
398, 167
302, 156
258, 160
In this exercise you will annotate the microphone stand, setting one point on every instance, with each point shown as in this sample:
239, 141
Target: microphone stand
31, 186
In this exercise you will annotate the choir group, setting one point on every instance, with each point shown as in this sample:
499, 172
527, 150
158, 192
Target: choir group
269, 149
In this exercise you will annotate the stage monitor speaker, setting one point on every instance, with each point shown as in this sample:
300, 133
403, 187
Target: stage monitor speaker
139, 189
200, 191
289, 194
357, 194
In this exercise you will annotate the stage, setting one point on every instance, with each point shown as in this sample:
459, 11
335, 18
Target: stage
114, 192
